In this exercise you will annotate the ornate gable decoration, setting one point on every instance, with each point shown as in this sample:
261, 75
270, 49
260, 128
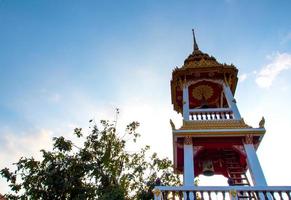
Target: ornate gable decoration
198, 59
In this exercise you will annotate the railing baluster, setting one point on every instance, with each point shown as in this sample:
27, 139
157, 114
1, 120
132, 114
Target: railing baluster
280, 194
165, 195
211, 114
273, 195
173, 193
187, 195
209, 195
257, 195
248, 193
180, 195
201, 195
265, 195
206, 116
229, 115
222, 115
218, 193
223, 195
194, 194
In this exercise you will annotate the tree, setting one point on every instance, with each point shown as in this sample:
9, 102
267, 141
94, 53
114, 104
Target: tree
100, 169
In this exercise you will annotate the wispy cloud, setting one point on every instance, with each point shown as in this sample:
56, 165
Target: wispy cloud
278, 63
13, 146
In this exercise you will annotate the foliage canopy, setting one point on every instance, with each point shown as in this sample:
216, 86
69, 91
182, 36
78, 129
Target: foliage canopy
100, 169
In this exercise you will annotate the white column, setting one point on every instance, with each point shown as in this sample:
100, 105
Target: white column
254, 166
185, 102
231, 101
188, 178
188, 165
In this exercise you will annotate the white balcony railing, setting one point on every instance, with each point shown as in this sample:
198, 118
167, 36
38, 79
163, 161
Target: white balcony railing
222, 193
210, 114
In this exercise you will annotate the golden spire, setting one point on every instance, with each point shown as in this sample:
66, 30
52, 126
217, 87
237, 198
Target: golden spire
195, 45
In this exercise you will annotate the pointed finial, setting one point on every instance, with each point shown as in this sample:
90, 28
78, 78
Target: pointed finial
195, 45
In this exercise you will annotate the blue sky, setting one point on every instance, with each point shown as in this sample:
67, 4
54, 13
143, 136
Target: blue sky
65, 62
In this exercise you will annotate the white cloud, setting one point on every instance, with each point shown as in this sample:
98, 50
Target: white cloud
279, 62
242, 77
13, 146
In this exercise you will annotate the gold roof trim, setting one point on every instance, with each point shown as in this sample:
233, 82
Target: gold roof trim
203, 63
215, 124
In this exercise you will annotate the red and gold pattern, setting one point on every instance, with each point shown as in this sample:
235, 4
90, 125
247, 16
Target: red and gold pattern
199, 66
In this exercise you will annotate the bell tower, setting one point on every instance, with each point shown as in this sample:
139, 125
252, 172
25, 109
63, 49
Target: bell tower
214, 139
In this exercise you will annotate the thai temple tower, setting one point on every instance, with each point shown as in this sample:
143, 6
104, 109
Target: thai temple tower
214, 139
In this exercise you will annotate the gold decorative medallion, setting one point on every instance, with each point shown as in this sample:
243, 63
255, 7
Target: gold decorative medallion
202, 91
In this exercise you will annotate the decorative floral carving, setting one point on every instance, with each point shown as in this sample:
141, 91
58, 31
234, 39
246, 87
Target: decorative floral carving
249, 139
188, 140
